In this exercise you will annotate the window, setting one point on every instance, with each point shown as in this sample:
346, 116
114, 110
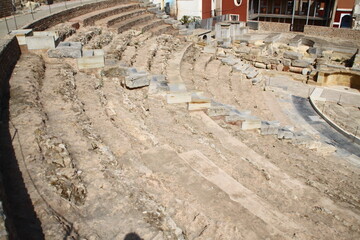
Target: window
238, 2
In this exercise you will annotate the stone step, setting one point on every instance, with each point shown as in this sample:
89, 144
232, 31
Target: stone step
164, 28
149, 25
90, 18
112, 20
244, 152
237, 192
130, 23
204, 185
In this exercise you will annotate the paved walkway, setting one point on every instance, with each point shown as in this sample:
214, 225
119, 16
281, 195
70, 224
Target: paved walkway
15, 22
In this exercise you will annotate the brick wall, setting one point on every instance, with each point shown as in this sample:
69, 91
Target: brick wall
346, 34
51, 20
274, 26
5, 8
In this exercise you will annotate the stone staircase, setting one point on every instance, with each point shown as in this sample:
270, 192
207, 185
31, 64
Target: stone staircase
92, 17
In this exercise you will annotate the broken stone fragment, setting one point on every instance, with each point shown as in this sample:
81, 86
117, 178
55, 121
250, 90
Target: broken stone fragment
292, 55
66, 50
137, 80
252, 74
250, 123
303, 63
260, 65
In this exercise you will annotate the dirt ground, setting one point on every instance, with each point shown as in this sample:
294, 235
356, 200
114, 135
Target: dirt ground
100, 161
344, 115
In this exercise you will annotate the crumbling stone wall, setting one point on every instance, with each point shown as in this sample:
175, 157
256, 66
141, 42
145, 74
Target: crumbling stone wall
5, 8
52, 20
274, 26
349, 34
9, 54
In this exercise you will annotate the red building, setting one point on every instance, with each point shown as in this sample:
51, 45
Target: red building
343, 14
212, 8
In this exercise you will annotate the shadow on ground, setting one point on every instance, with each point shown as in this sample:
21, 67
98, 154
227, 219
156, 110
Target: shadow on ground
21, 219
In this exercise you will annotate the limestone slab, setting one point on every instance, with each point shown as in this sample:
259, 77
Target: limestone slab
251, 123
137, 80
40, 42
93, 60
195, 106
67, 50
21, 34
179, 97
270, 127
292, 55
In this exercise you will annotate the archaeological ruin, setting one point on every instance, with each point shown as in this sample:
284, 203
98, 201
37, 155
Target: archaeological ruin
118, 121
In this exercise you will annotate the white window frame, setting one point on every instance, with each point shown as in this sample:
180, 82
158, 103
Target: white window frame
237, 4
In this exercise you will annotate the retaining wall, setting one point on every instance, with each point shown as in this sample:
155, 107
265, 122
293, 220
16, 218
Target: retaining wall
5, 8
274, 26
9, 54
346, 34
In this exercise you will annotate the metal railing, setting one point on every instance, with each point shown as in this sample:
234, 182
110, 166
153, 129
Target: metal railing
22, 16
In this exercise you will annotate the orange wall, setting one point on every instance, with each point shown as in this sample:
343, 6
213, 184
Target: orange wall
229, 7
346, 4
206, 9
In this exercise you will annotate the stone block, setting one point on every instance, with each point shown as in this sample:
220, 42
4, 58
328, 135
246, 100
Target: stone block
241, 67
91, 59
295, 69
286, 133
40, 42
66, 50
260, 65
243, 49
251, 123
292, 55
303, 63
219, 110
230, 61
21, 34
137, 80
198, 106
236, 118
270, 127
252, 74
180, 97
274, 60
209, 49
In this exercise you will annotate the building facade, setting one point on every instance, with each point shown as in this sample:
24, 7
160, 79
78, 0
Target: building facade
205, 8
342, 17
298, 13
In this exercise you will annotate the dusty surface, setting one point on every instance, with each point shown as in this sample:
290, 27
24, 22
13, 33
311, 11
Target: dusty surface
344, 115
101, 161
